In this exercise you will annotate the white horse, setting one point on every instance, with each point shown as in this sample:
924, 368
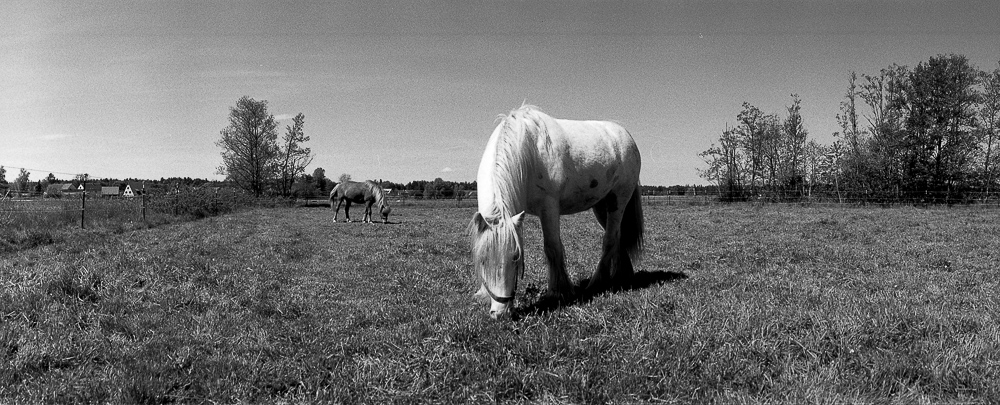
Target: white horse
550, 167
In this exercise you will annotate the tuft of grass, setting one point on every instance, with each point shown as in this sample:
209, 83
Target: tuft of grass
734, 304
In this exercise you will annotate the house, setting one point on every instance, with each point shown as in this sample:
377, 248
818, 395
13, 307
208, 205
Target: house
111, 191
133, 189
91, 189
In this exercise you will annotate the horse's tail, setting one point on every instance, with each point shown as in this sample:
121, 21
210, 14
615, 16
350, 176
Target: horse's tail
632, 226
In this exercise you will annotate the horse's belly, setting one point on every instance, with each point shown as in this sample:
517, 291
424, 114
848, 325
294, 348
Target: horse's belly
577, 199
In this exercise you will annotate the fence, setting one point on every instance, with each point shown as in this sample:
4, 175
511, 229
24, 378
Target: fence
83, 210
845, 198
36, 210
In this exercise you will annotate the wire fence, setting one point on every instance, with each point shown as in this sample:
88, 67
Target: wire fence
26, 210
84, 209
844, 198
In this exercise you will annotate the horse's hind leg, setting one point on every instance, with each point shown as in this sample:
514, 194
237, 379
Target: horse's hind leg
614, 267
347, 210
622, 272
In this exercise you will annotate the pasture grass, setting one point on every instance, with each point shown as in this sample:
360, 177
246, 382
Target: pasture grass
737, 304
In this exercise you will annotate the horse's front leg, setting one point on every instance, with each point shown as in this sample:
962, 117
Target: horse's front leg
559, 282
368, 213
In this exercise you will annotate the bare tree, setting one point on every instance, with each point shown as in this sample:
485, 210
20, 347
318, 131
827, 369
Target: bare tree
249, 146
294, 158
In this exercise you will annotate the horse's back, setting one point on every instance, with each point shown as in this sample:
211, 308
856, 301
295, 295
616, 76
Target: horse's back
596, 143
588, 160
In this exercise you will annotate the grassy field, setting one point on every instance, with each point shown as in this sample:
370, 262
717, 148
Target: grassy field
738, 304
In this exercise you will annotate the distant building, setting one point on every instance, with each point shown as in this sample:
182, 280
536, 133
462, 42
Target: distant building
109, 191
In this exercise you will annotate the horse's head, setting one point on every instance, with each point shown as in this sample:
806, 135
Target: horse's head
385, 213
498, 257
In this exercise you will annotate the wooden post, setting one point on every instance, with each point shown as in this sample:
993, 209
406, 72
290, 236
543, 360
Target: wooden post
144, 202
83, 207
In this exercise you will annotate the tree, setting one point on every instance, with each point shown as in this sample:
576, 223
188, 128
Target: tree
3, 175
873, 161
761, 157
319, 177
941, 99
989, 123
294, 158
249, 146
726, 164
21, 183
344, 177
793, 144
305, 187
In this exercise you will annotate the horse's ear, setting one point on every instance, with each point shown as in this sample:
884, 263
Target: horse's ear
517, 219
479, 223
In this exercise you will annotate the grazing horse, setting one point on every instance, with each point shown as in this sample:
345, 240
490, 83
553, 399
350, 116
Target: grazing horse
367, 193
549, 167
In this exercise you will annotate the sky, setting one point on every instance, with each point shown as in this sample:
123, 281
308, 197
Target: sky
410, 90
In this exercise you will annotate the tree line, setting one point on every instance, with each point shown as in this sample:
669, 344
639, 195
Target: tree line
926, 134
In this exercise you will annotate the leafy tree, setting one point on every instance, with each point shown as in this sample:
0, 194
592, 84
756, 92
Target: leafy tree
249, 146
21, 183
925, 133
344, 177
3, 175
294, 158
792, 148
319, 177
873, 161
941, 101
989, 122
305, 187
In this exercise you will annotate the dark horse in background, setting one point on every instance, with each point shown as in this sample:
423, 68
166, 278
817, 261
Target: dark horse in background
367, 193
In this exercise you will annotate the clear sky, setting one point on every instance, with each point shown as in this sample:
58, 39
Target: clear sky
410, 90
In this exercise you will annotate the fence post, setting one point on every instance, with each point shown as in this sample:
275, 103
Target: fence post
83, 207
144, 202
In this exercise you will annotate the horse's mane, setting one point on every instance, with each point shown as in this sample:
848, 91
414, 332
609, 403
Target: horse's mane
376, 189
514, 159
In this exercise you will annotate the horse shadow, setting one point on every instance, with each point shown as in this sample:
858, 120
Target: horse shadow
544, 304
